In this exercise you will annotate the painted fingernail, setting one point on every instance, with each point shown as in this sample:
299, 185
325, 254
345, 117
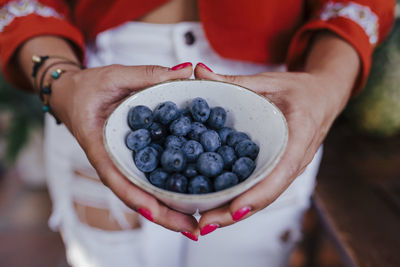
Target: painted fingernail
146, 213
181, 66
204, 66
240, 213
190, 236
208, 229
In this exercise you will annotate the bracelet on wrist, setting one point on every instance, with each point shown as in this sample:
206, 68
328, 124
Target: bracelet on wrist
45, 89
38, 61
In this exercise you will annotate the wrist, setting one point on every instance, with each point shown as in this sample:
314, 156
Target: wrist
335, 66
333, 59
50, 91
53, 71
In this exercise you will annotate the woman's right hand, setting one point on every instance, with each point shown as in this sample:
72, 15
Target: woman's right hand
83, 99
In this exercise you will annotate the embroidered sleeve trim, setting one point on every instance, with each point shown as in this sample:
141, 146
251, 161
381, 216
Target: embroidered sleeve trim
21, 8
362, 15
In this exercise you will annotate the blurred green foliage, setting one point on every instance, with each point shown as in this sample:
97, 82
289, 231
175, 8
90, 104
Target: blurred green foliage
25, 115
376, 111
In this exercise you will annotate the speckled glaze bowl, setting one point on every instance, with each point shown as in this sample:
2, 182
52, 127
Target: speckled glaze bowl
246, 111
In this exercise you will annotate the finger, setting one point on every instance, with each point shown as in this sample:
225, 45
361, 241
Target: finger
133, 196
202, 71
267, 82
137, 77
255, 82
292, 163
265, 192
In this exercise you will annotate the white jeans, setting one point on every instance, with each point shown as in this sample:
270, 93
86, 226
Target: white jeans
256, 241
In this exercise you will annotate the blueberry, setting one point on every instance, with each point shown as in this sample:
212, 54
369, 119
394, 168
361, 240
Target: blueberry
185, 112
210, 140
247, 148
138, 139
166, 112
197, 129
140, 117
199, 185
174, 141
217, 118
157, 131
177, 183
157, 147
235, 137
210, 164
243, 167
228, 155
192, 150
223, 133
181, 126
158, 177
199, 109
225, 180
190, 170
173, 160
146, 159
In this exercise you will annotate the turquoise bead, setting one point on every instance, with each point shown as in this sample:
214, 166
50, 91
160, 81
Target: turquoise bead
55, 75
45, 108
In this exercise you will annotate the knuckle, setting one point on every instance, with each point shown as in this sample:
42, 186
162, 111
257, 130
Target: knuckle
231, 78
107, 74
104, 180
152, 73
293, 170
125, 195
113, 67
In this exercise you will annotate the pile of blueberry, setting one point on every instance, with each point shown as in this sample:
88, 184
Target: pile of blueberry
189, 150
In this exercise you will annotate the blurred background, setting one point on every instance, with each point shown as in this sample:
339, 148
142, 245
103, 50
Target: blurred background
355, 218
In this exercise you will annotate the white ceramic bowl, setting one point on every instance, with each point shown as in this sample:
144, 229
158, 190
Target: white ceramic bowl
246, 111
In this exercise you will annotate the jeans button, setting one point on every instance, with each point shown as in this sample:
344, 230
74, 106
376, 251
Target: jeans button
189, 38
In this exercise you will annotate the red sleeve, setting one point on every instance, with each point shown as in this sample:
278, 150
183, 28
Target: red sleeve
362, 23
21, 20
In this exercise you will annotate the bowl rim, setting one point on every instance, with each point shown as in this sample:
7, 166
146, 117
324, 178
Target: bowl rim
195, 198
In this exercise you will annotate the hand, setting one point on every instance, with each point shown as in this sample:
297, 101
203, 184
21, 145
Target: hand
310, 102
83, 99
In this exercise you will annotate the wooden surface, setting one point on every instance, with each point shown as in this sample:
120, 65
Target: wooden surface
25, 238
358, 196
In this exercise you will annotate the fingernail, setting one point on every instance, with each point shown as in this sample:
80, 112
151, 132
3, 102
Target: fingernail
204, 66
190, 236
146, 213
208, 229
181, 66
240, 213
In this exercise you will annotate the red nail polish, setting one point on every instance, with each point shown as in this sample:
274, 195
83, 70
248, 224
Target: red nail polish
204, 66
208, 229
181, 66
190, 236
146, 213
240, 213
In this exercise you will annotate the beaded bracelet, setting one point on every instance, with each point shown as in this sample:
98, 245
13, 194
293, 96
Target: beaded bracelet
54, 75
38, 61
45, 90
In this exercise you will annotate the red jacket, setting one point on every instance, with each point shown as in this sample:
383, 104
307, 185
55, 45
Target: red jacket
263, 31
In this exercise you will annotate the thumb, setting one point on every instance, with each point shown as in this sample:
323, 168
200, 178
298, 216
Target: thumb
201, 71
136, 77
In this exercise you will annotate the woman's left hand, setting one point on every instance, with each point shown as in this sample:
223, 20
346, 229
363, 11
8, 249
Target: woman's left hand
300, 96
310, 101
